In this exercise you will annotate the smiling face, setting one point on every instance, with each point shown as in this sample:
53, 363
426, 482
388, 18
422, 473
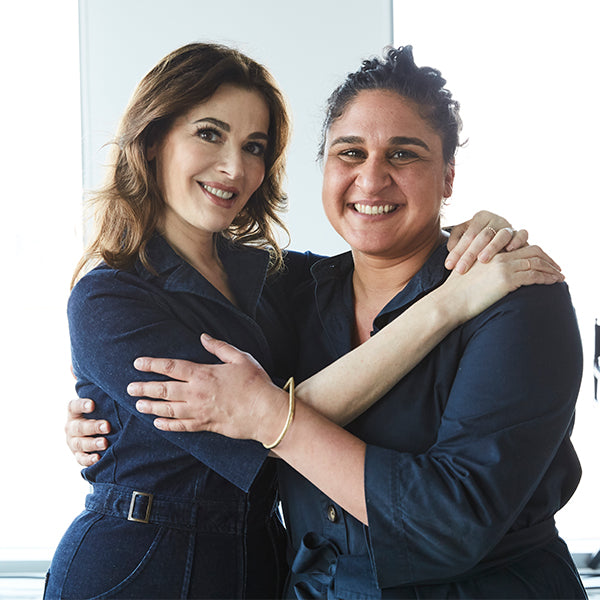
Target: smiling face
211, 161
385, 177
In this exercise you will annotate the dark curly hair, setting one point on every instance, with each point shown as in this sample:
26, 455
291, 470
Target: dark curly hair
398, 72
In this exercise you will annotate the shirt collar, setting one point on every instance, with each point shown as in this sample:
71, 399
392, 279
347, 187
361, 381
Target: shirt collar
246, 268
338, 270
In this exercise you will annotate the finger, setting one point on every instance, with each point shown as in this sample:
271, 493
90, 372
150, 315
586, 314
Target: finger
482, 240
460, 248
87, 444
533, 252
86, 460
456, 233
494, 221
497, 243
519, 239
538, 264
163, 390
80, 406
169, 410
222, 350
172, 367
177, 425
82, 427
537, 277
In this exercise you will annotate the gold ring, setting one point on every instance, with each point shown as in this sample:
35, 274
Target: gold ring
494, 232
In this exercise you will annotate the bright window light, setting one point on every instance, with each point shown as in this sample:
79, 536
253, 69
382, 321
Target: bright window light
40, 244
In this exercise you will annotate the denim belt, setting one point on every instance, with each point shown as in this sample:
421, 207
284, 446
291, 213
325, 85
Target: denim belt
219, 516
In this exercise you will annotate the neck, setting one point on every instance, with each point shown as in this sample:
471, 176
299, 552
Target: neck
198, 248
377, 279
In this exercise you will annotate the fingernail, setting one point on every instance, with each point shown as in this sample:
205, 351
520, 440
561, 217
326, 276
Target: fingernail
141, 405
100, 444
87, 405
103, 428
138, 363
133, 389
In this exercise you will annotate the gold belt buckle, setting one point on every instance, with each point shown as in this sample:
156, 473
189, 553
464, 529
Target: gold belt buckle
134, 496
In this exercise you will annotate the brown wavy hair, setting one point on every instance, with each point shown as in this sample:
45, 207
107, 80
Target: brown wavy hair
128, 208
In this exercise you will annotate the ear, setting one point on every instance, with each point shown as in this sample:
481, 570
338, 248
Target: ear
449, 179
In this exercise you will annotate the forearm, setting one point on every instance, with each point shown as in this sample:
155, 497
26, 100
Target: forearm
328, 456
353, 383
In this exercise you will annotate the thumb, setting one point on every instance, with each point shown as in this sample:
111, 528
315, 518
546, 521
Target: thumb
222, 350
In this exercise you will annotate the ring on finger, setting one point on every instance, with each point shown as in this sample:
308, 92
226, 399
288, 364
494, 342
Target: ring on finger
494, 232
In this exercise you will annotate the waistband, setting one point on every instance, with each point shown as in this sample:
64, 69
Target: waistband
229, 515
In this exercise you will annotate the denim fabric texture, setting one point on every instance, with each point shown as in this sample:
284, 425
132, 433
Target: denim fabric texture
468, 457
211, 530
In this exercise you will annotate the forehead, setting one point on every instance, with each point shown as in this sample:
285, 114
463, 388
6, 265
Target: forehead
236, 106
383, 112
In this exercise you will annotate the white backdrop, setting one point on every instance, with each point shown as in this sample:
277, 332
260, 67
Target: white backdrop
526, 75
309, 46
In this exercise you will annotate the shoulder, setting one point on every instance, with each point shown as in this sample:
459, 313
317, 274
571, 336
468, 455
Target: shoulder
541, 304
105, 283
536, 324
300, 263
295, 272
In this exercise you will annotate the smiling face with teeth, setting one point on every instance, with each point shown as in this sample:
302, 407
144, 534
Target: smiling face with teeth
385, 177
210, 163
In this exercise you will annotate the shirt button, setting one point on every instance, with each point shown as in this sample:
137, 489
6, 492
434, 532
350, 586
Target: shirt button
332, 513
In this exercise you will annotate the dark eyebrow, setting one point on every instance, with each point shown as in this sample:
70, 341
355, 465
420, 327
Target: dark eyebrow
257, 135
410, 141
347, 139
396, 141
216, 122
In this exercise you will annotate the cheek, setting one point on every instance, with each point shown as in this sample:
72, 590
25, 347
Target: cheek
335, 183
257, 174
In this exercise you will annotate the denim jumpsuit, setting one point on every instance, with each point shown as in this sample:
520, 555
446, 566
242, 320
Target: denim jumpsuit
172, 515
468, 458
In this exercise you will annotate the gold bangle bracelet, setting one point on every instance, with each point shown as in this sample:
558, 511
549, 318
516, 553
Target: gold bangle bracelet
291, 410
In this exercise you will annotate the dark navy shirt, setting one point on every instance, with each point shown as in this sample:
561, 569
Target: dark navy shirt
468, 457
186, 515
116, 316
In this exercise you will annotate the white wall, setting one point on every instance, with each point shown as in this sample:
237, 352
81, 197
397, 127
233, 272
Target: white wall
526, 75
309, 46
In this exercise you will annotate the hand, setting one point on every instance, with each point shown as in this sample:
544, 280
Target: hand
81, 432
481, 238
485, 284
236, 399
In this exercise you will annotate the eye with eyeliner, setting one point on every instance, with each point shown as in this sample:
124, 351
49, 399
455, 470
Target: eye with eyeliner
209, 134
256, 149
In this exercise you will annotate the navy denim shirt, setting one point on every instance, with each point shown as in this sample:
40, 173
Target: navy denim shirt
206, 535
468, 457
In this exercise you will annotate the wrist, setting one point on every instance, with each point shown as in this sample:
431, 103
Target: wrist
446, 309
274, 417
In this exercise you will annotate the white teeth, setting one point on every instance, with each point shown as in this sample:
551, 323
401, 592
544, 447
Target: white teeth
217, 192
370, 209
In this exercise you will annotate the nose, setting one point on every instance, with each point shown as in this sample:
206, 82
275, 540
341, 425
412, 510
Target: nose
373, 175
232, 162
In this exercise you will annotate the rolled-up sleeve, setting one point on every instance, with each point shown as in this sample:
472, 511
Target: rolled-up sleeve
503, 431
114, 318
